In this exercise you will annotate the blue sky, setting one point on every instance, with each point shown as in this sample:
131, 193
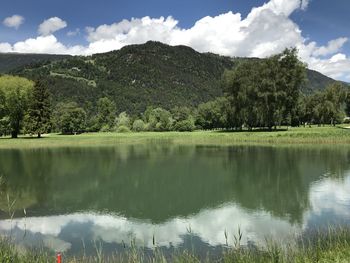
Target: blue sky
308, 24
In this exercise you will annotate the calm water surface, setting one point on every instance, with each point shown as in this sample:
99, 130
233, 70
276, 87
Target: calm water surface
184, 196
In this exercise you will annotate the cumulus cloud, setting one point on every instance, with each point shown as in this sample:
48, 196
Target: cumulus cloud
51, 25
208, 224
266, 30
42, 44
14, 21
332, 47
5, 47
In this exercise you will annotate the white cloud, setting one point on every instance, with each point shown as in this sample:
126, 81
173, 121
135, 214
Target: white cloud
5, 47
266, 30
73, 33
332, 47
304, 4
208, 224
51, 25
14, 21
43, 44
330, 196
338, 57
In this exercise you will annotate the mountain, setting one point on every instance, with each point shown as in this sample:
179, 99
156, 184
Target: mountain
137, 76
10, 61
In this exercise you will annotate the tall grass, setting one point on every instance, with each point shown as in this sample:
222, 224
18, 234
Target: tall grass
332, 245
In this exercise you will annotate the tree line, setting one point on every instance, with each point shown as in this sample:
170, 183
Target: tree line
258, 94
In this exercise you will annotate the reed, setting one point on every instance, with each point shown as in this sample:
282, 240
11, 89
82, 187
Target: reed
325, 245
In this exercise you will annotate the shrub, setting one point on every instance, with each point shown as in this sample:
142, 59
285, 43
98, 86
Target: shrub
138, 126
105, 128
123, 120
185, 125
123, 129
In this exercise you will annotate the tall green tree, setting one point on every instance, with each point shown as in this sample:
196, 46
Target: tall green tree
213, 114
70, 118
16, 91
347, 103
265, 93
106, 113
38, 119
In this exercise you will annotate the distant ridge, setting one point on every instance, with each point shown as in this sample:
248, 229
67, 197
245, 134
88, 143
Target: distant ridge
10, 61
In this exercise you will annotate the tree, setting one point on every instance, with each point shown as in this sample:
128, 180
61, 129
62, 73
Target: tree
4, 120
213, 114
333, 103
123, 120
2, 103
347, 104
327, 106
70, 118
158, 119
185, 125
16, 92
106, 113
183, 119
263, 93
138, 125
38, 119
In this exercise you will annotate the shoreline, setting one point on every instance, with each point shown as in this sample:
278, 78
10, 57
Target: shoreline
329, 245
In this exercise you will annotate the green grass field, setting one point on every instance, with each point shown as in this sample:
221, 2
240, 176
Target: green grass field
301, 135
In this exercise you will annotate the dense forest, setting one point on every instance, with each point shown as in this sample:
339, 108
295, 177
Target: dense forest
11, 61
155, 87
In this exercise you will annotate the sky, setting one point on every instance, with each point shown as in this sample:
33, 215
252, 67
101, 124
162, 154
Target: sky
320, 29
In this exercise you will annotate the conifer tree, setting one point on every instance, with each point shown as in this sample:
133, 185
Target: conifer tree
39, 112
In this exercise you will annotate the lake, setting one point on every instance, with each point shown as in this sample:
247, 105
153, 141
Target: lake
180, 197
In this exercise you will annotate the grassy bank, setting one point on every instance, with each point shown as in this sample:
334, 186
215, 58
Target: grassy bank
300, 135
331, 246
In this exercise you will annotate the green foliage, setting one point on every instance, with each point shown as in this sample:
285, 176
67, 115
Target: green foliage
158, 119
183, 119
213, 114
123, 129
347, 104
264, 93
11, 61
138, 126
70, 118
123, 120
326, 107
185, 125
138, 76
106, 114
38, 118
15, 93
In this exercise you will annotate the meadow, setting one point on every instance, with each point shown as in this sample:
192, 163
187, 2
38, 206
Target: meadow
295, 135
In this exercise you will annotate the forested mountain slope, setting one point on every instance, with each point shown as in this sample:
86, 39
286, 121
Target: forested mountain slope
137, 76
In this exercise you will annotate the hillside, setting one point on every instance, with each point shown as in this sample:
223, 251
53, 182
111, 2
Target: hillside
11, 61
137, 76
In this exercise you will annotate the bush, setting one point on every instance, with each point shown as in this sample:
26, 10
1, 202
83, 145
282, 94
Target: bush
105, 128
138, 126
185, 125
123, 129
123, 120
